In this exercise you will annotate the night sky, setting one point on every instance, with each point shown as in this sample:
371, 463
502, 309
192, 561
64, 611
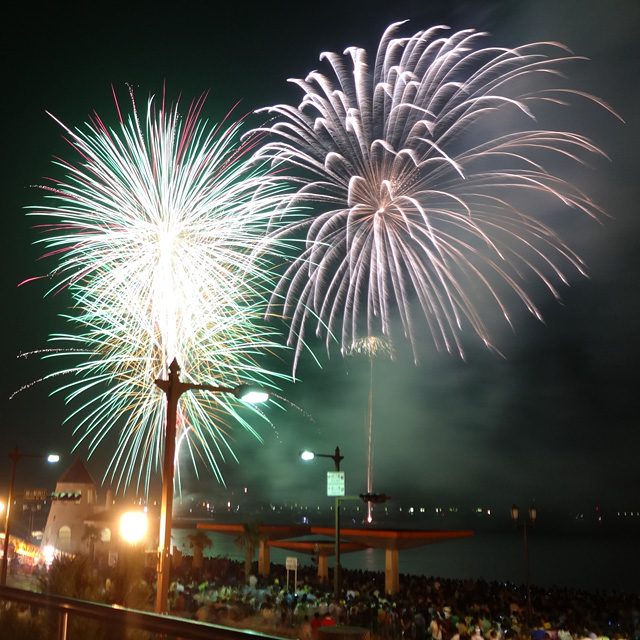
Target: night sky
553, 419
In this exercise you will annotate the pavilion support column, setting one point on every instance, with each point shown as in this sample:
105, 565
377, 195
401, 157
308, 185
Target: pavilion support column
264, 558
323, 568
391, 572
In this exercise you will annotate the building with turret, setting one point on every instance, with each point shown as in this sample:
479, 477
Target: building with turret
75, 499
77, 522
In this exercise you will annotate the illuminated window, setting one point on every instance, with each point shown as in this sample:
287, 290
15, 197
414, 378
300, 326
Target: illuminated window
105, 535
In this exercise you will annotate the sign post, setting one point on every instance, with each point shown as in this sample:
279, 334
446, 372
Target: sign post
335, 489
291, 564
335, 484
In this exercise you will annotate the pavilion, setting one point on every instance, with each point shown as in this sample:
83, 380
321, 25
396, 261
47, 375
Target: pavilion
391, 540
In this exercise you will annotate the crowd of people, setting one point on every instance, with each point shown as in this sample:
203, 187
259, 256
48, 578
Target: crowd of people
423, 609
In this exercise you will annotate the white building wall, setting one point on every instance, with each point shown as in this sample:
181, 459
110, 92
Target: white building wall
68, 517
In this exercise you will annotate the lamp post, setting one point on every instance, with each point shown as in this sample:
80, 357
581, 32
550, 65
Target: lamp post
15, 456
336, 457
133, 526
173, 389
533, 513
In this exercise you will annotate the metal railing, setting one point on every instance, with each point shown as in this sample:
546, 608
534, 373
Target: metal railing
116, 616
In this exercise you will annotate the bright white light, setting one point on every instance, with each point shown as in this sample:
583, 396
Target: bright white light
255, 396
133, 526
48, 552
307, 455
53, 457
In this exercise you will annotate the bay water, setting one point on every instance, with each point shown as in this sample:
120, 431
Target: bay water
590, 560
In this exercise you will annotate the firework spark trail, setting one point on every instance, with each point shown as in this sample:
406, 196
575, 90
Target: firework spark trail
371, 347
416, 203
152, 230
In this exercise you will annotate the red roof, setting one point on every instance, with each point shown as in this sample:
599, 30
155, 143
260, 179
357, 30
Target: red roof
392, 539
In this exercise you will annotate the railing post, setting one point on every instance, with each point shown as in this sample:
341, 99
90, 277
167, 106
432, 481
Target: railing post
63, 624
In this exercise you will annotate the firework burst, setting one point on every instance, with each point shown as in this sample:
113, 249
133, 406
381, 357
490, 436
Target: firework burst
152, 230
425, 176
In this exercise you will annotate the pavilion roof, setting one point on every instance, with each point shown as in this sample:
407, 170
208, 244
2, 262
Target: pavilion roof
391, 539
394, 539
316, 547
271, 532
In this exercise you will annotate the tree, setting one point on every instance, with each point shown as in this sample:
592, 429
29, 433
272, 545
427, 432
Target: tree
13, 626
92, 534
249, 540
127, 586
199, 541
73, 577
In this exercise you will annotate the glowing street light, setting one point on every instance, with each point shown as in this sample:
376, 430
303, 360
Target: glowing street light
133, 526
336, 457
248, 392
49, 553
15, 456
173, 389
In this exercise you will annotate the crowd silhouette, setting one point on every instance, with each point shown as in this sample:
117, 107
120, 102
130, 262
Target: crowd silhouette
425, 608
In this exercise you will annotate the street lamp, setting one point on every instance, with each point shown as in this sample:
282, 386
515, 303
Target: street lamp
173, 389
533, 513
336, 457
15, 456
133, 526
